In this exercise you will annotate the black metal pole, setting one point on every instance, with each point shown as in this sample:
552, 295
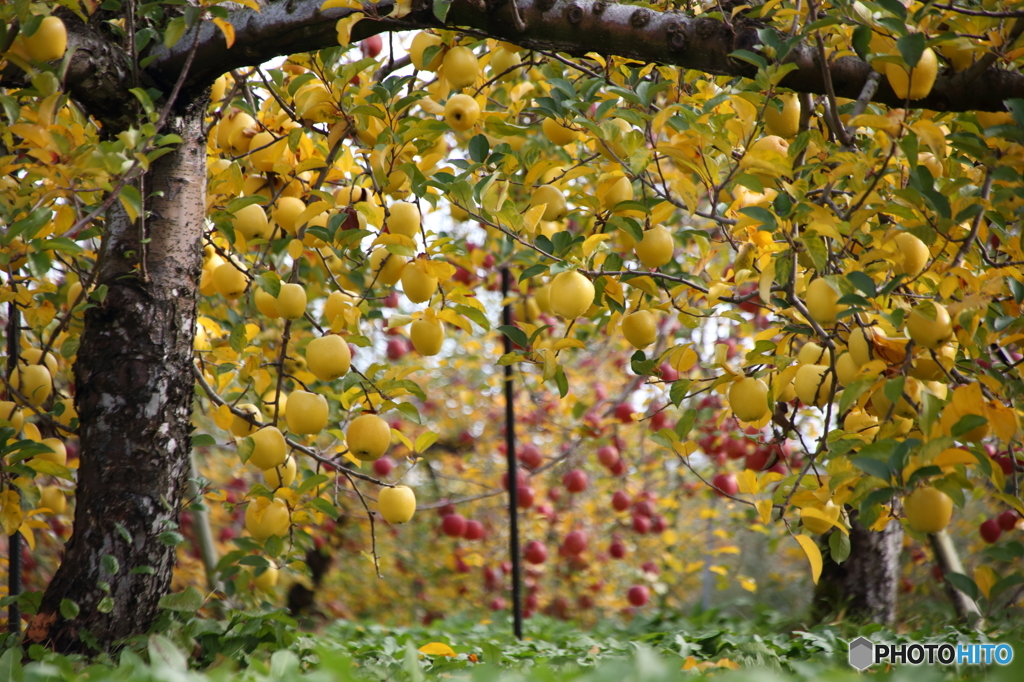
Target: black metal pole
513, 473
13, 541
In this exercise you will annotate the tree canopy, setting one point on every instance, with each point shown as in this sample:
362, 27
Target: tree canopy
797, 227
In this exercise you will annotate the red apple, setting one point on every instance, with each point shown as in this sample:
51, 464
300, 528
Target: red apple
498, 604
520, 479
725, 484
383, 466
397, 348
641, 524
607, 455
474, 530
371, 46
617, 550
525, 496
658, 523
668, 372
575, 542
530, 456
638, 595
453, 525
575, 481
649, 567
624, 413
619, 469
620, 501
1008, 520
535, 552
990, 531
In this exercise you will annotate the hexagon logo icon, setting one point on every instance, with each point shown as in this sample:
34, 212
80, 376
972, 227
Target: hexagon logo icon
862, 653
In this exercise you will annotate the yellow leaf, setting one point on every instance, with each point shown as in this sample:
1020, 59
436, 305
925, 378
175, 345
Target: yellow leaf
227, 29
764, 287
810, 548
952, 456
11, 515
569, 343
344, 27
251, 4
764, 510
424, 441
449, 315
646, 285
30, 538
341, 4
402, 439
222, 417
685, 449
985, 578
591, 243
748, 484
437, 649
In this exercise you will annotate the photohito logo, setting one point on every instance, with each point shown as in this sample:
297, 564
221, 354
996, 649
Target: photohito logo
864, 653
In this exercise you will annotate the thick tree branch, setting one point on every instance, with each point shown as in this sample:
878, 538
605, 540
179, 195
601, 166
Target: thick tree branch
575, 27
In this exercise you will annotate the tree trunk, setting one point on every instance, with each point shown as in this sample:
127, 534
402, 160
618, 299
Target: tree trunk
864, 586
134, 396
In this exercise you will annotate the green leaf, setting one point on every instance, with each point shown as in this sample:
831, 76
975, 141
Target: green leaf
533, 271
839, 546
106, 605
966, 424
678, 391
68, 610
562, 381
175, 29
863, 283
270, 282
143, 570
312, 482
873, 467
441, 8
190, 601
964, 584
273, 545
246, 446
110, 564
201, 440
685, 423
911, 47
237, 340
324, 506
171, 538
515, 334
479, 148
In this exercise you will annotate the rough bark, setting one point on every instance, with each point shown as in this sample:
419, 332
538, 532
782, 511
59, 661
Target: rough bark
863, 587
134, 400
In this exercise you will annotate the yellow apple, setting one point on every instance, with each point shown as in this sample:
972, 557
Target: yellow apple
397, 505
231, 129
10, 413
368, 437
812, 354
930, 333
229, 281
927, 368
264, 518
52, 497
846, 369
427, 336
862, 345
860, 424
813, 384
328, 357
282, 475
308, 414
33, 381
335, 304
785, 123
748, 399
881, 405
291, 301
928, 510
417, 283
613, 149
461, 112
266, 304
243, 427
571, 294
265, 151
640, 328
59, 455
267, 580
404, 219
271, 449
553, 201
461, 67
49, 42
286, 211
918, 83
503, 62
387, 266
621, 190
420, 43
911, 255
558, 133
656, 248
821, 300
31, 356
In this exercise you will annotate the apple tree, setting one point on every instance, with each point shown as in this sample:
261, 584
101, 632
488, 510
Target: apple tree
201, 233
